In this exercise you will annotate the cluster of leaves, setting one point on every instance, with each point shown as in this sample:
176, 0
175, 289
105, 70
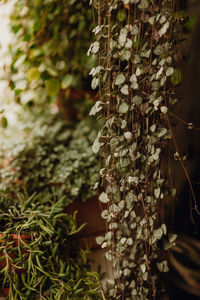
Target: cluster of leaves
136, 46
50, 52
40, 255
52, 157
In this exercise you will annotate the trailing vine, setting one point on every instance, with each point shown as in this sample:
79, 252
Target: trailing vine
136, 73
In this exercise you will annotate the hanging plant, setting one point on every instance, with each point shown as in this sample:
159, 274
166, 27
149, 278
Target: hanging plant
136, 50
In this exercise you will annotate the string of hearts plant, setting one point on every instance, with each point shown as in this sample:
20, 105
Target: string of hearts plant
136, 72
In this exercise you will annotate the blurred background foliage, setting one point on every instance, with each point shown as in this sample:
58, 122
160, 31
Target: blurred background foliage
49, 81
51, 158
50, 52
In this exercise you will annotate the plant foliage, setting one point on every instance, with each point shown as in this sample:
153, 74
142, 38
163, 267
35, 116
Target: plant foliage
50, 52
40, 255
136, 50
52, 158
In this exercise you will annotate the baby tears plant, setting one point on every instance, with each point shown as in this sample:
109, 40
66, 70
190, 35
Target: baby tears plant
137, 68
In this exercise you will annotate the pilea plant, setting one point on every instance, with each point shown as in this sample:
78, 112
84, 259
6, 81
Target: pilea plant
136, 72
40, 256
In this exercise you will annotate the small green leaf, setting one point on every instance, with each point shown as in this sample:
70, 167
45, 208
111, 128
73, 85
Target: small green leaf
96, 108
99, 240
172, 237
137, 100
52, 87
176, 77
104, 214
126, 55
137, 59
33, 74
4, 122
157, 192
163, 29
162, 266
153, 128
123, 108
157, 235
159, 50
95, 47
121, 15
190, 23
124, 90
129, 44
164, 228
162, 132
123, 36
95, 83
170, 71
48, 230
164, 109
143, 268
103, 198
120, 79
37, 3
128, 135
67, 81
124, 124
96, 146
143, 4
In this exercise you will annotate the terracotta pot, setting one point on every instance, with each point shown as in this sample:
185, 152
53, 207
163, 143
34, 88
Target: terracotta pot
66, 102
5, 291
14, 237
88, 212
3, 263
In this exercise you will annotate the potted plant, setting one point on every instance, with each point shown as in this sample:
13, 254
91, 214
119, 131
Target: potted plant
56, 159
40, 255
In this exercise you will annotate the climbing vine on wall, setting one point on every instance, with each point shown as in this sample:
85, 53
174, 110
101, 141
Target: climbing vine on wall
136, 71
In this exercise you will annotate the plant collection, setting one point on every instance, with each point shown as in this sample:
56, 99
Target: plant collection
129, 49
51, 163
50, 53
40, 256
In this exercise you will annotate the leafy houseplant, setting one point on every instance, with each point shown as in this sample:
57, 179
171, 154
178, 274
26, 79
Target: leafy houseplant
53, 157
48, 161
50, 53
46, 261
137, 68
